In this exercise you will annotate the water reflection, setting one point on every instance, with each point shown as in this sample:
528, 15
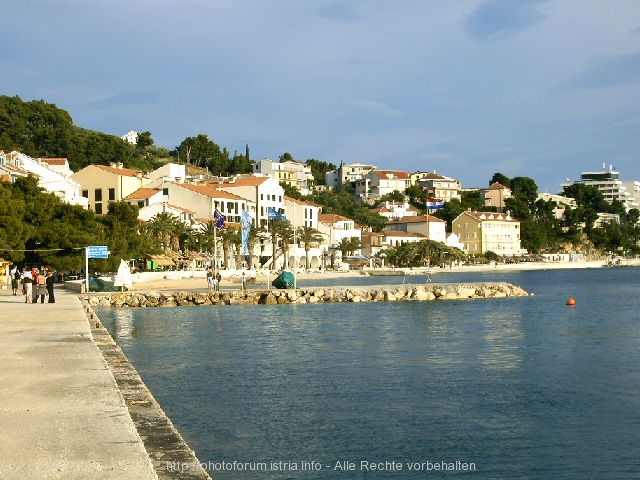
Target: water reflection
123, 324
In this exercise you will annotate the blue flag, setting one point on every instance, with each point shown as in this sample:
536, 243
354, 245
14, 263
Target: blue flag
272, 213
221, 222
247, 222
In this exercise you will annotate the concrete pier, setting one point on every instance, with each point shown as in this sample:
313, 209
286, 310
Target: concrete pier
62, 414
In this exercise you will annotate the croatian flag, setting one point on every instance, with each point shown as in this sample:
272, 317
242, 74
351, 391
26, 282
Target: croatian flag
221, 222
435, 203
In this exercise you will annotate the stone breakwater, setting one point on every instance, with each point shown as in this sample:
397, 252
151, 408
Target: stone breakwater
385, 293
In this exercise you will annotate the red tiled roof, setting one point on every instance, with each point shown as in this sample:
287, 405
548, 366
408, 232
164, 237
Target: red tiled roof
332, 218
418, 219
401, 175
55, 161
301, 202
124, 172
142, 193
210, 191
497, 186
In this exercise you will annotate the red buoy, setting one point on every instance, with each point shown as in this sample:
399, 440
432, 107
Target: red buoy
571, 302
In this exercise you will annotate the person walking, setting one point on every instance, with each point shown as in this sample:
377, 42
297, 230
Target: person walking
27, 285
244, 281
34, 287
16, 276
50, 281
41, 285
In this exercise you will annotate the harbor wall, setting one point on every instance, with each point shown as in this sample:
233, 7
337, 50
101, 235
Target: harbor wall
426, 292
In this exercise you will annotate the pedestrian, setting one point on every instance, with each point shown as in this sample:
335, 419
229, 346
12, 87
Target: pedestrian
244, 281
219, 280
27, 285
209, 279
34, 287
50, 280
214, 282
16, 276
41, 285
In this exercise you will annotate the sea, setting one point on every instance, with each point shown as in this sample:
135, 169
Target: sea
512, 388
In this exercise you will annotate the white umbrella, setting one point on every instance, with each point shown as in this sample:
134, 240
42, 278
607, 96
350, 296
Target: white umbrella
123, 277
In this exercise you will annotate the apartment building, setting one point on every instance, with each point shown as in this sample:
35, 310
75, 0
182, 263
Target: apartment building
481, 232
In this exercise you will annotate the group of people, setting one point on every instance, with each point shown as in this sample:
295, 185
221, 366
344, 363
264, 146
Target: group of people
213, 280
36, 283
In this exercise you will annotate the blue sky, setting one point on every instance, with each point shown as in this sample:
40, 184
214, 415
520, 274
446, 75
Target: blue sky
537, 88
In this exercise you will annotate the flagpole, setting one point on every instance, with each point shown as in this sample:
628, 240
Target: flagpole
215, 250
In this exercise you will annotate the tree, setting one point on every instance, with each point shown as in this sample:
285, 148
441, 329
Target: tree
395, 196
162, 226
308, 236
203, 152
524, 188
451, 210
501, 179
291, 191
319, 170
276, 228
348, 245
472, 200
229, 237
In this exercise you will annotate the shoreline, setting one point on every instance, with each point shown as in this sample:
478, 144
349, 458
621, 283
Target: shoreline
191, 282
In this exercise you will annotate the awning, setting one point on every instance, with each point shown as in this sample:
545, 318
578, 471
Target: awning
161, 260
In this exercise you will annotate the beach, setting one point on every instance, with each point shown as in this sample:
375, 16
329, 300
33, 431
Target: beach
189, 280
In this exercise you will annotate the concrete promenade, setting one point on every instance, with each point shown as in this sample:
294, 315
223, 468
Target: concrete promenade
62, 415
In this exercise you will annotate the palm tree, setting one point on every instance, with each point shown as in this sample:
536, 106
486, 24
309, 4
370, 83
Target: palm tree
348, 245
308, 235
162, 226
275, 229
287, 235
228, 236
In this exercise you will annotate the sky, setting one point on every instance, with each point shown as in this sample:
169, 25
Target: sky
544, 89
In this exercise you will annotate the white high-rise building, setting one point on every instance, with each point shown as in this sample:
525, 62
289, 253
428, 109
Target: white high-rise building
612, 188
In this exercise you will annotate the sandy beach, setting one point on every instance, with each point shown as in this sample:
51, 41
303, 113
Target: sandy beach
190, 281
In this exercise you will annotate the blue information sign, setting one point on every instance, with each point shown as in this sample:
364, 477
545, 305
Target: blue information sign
101, 251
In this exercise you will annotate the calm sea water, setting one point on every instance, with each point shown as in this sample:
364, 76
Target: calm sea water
522, 388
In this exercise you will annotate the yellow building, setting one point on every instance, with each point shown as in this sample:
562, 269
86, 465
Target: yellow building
103, 184
481, 232
495, 195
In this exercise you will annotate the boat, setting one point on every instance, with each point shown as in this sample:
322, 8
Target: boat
285, 280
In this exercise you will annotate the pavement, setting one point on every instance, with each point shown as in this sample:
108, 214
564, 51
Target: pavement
62, 415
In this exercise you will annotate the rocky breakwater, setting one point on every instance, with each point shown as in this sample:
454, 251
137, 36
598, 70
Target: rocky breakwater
381, 293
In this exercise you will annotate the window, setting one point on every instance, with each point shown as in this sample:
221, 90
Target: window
112, 194
98, 208
85, 193
98, 195
165, 191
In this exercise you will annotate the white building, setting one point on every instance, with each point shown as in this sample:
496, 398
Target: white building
439, 186
131, 137
295, 174
347, 174
611, 187
51, 180
378, 183
428, 226
261, 193
395, 211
